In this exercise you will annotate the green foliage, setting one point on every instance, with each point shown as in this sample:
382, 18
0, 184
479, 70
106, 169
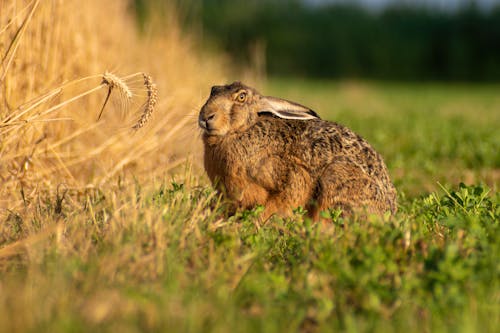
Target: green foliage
402, 42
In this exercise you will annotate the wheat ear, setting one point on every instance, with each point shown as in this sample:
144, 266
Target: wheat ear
150, 104
113, 81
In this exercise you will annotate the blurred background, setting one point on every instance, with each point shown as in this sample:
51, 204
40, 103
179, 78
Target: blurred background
410, 40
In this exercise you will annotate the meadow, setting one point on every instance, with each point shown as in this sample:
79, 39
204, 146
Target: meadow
104, 228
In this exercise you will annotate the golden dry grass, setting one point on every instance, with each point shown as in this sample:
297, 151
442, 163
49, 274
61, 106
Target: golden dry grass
54, 55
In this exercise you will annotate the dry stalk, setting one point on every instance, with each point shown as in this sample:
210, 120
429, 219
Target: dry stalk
22, 114
11, 121
11, 51
12, 19
150, 104
108, 80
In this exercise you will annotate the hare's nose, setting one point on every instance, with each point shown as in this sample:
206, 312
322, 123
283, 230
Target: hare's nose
204, 122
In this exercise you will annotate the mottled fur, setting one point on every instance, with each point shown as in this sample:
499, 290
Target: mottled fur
268, 151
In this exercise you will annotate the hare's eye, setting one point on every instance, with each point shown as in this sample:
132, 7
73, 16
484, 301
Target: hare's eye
242, 97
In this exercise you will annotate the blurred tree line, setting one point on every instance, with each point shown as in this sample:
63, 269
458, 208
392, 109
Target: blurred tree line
401, 42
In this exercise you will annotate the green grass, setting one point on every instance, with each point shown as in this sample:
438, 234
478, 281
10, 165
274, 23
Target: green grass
163, 256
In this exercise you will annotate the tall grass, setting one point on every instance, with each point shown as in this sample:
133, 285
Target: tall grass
54, 55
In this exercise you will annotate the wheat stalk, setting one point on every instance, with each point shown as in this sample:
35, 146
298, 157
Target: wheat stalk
150, 104
109, 80
12, 49
22, 114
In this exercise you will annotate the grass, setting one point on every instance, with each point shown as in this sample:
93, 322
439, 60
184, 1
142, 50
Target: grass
106, 230
158, 258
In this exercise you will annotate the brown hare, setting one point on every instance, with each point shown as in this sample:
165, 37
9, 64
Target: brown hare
262, 150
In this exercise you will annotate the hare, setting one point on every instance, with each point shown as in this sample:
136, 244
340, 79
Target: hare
261, 150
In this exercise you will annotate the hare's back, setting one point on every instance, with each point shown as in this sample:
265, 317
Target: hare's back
328, 141
316, 142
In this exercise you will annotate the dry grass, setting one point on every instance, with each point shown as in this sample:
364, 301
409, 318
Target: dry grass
53, 55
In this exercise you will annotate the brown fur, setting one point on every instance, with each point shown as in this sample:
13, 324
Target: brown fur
268, 151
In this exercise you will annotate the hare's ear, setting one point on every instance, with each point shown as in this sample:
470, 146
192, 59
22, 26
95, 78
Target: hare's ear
286, 109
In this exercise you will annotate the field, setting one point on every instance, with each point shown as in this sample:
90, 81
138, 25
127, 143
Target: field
107, 230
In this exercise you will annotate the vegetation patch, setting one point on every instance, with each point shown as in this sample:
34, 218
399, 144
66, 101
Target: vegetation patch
166, 257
